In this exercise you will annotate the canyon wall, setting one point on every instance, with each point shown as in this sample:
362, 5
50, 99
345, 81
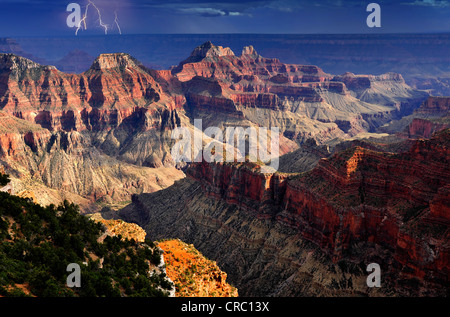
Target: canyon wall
313, 233
78, 132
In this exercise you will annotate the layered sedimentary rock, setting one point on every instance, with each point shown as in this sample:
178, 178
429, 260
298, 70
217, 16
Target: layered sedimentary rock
193, 274
47, 162
425, 128
430, 117
119, 113
435, 106
117, 87
314, 233
104, 136
90, 124
114, 88
256, 88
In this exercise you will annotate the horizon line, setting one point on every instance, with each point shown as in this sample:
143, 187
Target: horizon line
219, 34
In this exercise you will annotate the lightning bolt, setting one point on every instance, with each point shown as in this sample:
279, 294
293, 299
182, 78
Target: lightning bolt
100, 21
103, 25
83, 20
116, 21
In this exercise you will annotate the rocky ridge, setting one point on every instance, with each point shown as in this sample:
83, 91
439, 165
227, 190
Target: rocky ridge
110, 126
186, 268
104, 136
432, 116
192, 273
299, 232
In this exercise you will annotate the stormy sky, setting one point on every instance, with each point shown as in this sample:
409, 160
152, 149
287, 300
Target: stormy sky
25, 18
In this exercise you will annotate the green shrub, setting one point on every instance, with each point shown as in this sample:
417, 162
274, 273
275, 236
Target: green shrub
47, 239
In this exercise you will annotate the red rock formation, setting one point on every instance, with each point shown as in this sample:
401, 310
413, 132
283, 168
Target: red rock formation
400, 202
262, 100
127, 111
432, 116
369, 196
117, 89
209, 60
424, 128
114, 88
9, 144
355, 103
241, 185
435, 105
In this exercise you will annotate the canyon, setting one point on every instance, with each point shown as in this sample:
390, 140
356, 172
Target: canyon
363, 172
110, 126
314, 233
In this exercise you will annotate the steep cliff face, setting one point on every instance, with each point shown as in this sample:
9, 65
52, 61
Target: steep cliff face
44, 162
102, 126
365, 196
432, 116
104, 136
215, 61
241, 185
359, 195
269, 231
257, 89
435, 105
193, 274
120, 113
115, 87
117, 90
423, 128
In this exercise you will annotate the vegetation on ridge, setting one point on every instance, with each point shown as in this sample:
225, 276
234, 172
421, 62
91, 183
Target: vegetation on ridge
37, 243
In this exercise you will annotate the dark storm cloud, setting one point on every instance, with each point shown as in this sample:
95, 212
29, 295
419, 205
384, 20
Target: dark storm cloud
430, 3
222, 8
207, 8
242, 5
35, 17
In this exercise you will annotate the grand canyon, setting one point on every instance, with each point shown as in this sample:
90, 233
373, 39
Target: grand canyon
363, 171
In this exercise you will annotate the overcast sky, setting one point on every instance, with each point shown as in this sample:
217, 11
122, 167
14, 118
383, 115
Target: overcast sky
48, 18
